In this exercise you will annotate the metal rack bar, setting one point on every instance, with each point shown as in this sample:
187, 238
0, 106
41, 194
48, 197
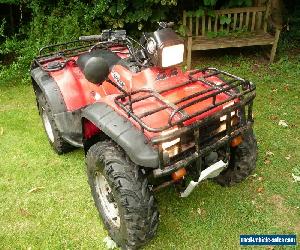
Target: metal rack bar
62, 51
181, 100
228, 87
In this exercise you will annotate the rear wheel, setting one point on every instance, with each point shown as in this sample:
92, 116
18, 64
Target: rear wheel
54, 137
242, 161
121, 195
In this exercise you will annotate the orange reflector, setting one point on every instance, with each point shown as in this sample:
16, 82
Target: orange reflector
178, 174
236, 141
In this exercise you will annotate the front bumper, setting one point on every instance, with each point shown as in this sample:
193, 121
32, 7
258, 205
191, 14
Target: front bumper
159, 172
215, 142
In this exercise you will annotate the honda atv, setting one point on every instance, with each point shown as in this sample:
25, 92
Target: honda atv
143, 122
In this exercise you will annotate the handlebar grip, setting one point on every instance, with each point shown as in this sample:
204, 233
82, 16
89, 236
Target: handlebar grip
165, 25
170, 24
90, 38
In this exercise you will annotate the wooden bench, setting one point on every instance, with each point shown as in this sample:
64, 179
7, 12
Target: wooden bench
252, 21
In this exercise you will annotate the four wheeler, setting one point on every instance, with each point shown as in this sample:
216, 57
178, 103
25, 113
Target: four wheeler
143, 122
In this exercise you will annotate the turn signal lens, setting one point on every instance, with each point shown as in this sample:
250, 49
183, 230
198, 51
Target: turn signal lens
236, 141
176, 176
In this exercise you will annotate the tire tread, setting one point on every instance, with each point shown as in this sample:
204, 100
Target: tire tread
141, 217
243, 162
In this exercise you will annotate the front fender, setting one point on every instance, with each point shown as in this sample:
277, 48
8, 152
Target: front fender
121, 130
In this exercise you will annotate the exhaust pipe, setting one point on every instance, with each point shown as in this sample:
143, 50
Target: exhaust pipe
210, 172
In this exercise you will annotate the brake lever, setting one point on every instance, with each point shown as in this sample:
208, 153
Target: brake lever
97, 44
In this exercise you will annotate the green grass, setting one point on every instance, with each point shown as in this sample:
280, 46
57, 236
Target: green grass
61, 213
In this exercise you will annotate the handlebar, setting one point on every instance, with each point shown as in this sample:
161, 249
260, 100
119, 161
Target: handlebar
106, 35
91, 38
166, 25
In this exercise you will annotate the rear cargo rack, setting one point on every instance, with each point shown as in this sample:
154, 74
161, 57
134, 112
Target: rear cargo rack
234, 87
65, 51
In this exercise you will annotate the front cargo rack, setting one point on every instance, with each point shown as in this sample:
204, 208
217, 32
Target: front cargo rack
234, 87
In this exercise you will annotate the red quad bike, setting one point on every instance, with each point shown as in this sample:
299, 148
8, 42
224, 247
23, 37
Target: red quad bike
143, 122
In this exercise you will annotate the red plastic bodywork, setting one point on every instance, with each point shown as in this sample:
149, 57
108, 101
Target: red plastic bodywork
79, 92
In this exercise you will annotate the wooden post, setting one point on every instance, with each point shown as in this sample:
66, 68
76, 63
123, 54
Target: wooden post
191, 26
216, 24
203, 25
234, 21
241, 20
253, 21
189, 53
209, 24
197, 26
267, 13
247, 20
274, 47
258, 21
228, 25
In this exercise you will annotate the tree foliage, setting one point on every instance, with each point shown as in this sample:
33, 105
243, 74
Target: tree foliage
60, 19
41, 22
9, 1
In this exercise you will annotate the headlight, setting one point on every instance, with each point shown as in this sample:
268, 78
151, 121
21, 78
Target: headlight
151, 46
165, 48
224, 117
169, 144
234, 118
172, 55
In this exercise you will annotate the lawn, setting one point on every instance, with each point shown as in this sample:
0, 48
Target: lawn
45, 201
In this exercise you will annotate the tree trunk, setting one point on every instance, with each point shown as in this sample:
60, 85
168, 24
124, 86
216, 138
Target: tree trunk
11, 19
277, 13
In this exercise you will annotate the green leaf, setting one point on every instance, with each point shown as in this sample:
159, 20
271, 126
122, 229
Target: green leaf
181, 30
228, 20
211, 34
2, 27
199, 13
225, 19
112, 10
190, 13
10, 1
222, 19
121, 6
210, 2
211, 13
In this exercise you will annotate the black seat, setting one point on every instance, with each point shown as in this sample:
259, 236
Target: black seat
97, 64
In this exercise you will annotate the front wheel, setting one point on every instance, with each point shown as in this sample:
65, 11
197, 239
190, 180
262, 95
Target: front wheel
242, 161
121, 195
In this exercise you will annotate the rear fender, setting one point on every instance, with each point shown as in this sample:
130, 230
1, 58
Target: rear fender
68, 122
49, 88
119, 129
